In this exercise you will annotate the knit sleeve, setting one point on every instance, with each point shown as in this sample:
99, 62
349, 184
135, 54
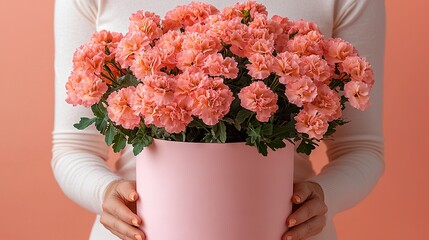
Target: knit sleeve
78, 156
356, 155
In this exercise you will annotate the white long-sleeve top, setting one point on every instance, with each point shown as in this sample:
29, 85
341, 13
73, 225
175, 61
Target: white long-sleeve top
355, 156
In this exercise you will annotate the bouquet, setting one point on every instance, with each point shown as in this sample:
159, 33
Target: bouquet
204, 75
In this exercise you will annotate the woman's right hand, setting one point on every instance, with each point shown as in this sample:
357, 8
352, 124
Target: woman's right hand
119, 207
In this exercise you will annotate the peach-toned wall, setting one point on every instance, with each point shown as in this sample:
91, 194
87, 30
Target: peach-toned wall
33, 207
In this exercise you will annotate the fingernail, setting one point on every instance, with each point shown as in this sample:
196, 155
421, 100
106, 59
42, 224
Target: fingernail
135, 222
132, 196
297, 199
138, 237
289, 238
291, 223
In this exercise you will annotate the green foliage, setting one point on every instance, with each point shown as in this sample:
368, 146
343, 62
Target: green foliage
84, 123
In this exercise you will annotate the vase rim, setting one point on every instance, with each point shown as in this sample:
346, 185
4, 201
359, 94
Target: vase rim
196, 143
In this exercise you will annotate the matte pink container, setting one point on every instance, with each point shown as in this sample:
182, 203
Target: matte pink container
213, 191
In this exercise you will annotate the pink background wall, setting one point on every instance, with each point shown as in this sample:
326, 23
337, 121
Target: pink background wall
33, 207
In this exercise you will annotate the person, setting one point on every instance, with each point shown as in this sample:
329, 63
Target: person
356, 160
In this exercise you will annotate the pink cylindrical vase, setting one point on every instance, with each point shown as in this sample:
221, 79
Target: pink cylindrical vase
213, 191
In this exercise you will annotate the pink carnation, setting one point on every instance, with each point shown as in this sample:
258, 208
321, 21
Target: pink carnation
302, 27
316, 68
190, 58
159, 88
188, 15
312, 122
327, 102
84, 89
174, 117
337, 50
301, 91
187, 84
358, 94
146, 63
146, 22
358, 69
107, 39
305, 45
231, 32
201, 42
131, 44
260, 66
259, 46
212, 100
215, 65
119, 108
257, 97
286, 66
249, 6
89, 58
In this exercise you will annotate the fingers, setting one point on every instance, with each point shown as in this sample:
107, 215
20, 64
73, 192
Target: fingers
120, 228
301, 192
310, 228
306, 211
127, 191
119, 206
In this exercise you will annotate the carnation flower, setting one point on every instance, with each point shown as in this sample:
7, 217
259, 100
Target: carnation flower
305, 45
188, 15
89, 58
337, 50
259, 46
358, 69
174, 117
131, 44
159, 88
316, 68
215, 65
119, 108
146, 63
201, 42
301, 91
312, 122
358, 94
286, 66
257, 97
260, 66
212, 100
84, 89
327, 102
147, 23
302, 27
107, 39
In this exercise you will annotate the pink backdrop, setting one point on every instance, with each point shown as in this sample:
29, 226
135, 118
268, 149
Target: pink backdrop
33, 206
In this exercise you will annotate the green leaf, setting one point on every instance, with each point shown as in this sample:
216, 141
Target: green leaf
305, 147
101, 125
119, 142
222, 132
99, 110
267, 129
128, 80
242, 115
110, 134
276, 143
262, 148
285, 131
84, 123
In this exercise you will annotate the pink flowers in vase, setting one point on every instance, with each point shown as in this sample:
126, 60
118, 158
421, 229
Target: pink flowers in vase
204, 75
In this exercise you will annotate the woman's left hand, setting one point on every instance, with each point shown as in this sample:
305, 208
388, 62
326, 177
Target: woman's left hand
309, 216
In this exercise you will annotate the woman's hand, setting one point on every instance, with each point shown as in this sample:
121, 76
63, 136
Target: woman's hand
119, 209
308, 218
